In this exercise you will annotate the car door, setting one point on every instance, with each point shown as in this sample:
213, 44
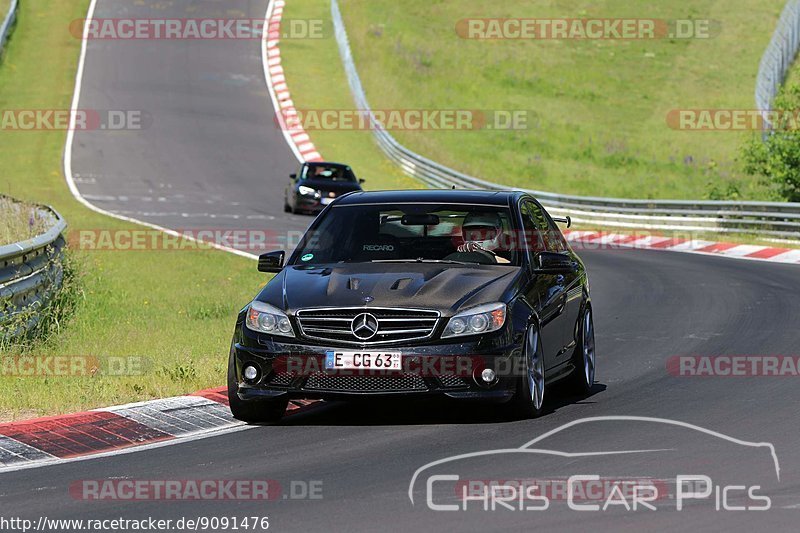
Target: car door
546, 289
573, 289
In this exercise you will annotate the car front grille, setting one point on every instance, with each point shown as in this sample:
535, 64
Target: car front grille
320, 381
281, 379
393, 325
452, 382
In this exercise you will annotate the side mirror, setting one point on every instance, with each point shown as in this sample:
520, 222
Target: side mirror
564, 220
271, 261
293, 176
553, 263
361, 180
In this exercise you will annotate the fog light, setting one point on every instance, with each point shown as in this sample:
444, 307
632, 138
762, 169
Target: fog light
250, 373
488, 375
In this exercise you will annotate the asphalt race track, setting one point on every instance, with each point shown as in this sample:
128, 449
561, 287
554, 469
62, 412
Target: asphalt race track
212, 152
209, 154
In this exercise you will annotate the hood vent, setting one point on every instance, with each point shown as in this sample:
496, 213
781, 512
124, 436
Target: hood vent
401, 284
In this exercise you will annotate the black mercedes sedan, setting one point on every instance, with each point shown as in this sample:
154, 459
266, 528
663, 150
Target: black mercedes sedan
472, 295
316, 185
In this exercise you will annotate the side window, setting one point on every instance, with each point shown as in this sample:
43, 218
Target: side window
550, 239
532, 228
550, 233
559, 244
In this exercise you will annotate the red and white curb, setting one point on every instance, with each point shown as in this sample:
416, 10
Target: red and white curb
55, 439
285, 112
594, 240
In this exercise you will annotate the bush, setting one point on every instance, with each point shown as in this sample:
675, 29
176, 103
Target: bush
776, 158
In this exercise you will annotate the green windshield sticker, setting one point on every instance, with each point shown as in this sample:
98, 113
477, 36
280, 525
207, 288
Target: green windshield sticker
307, 257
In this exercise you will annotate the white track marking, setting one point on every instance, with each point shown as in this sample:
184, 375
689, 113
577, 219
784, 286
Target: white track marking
68, 175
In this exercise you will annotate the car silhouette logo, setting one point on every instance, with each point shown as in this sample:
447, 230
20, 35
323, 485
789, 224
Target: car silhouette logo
364, 326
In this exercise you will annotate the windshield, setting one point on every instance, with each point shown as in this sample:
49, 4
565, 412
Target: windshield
452, 233
327, 172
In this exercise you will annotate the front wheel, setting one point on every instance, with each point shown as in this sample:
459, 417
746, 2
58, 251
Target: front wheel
528, 400
252, 411
582, 379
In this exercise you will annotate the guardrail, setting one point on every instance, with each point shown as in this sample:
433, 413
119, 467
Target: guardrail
30, 273
8, 23
778, 58
779, 221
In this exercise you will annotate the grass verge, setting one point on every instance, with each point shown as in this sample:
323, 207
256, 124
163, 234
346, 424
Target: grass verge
599, 108
168, 315
18, 221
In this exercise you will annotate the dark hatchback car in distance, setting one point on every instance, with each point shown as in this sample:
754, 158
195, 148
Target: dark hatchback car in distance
472, 295
317, 184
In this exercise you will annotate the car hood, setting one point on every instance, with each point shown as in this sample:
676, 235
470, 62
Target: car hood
445, 288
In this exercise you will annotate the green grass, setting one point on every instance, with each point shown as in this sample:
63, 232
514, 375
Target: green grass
793, 76
174, 310
18, 221
600, 107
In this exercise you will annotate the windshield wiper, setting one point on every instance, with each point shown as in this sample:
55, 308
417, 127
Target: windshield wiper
421, 260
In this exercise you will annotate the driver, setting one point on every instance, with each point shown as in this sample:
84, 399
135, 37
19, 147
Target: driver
481, 233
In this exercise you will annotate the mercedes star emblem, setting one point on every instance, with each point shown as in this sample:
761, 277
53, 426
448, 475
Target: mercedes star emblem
364, 326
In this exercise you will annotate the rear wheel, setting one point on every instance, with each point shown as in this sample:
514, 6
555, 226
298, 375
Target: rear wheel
528, 401
255, 410
584, 356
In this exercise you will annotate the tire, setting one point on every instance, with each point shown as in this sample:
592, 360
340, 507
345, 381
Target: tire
287, 208
528, 400
252, 411
584, 357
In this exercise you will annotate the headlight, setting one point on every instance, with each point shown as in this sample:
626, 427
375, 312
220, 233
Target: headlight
481, 319
266, 318
306, 191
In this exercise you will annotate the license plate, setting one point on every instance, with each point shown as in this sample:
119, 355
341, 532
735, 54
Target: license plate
362, 361
326, 201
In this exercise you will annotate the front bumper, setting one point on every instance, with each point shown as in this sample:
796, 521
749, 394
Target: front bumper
296, 370
310, 204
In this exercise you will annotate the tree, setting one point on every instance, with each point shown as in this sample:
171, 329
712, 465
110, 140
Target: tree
776, 157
